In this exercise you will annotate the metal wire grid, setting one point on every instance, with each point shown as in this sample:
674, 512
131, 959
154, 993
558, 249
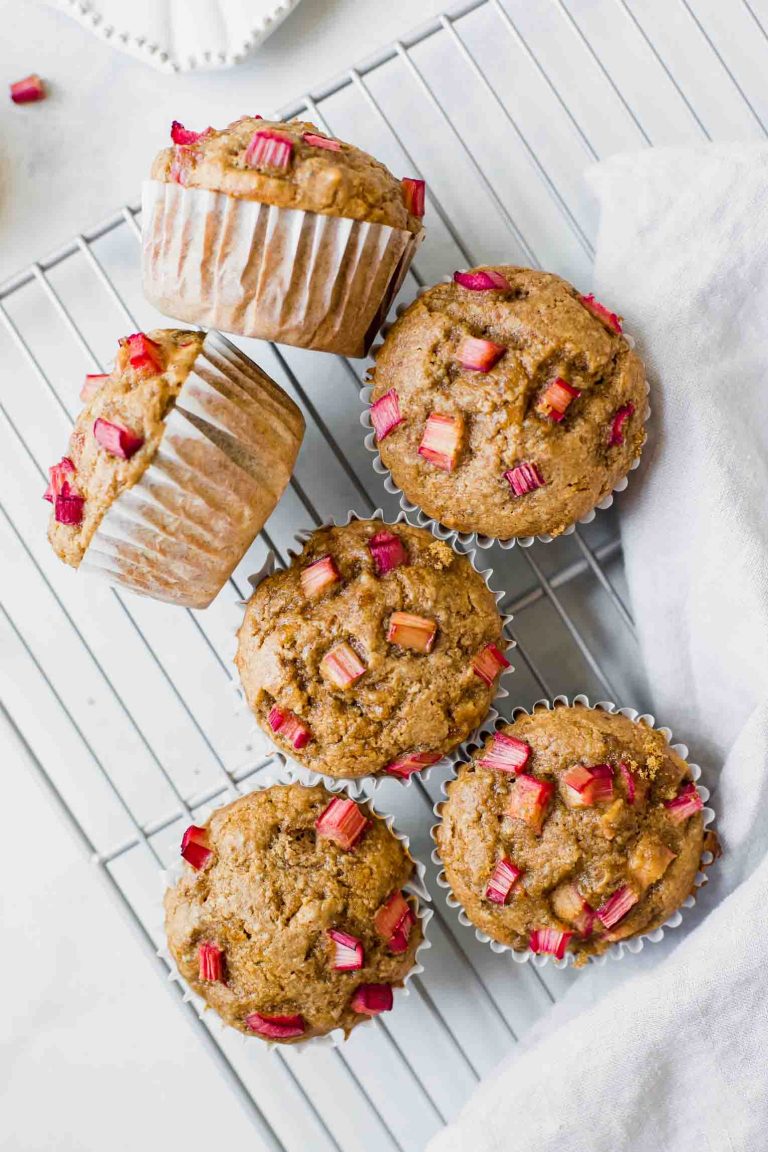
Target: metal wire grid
572, 617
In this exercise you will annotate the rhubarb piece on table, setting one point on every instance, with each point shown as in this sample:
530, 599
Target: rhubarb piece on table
483, 281
414, 196
506, 753
211, 960
292, 729
617, 906
326, 142
441, 442
479, 355
687, 803
371, 999
319, 575
555, 399
343, 822
116, 440
342, 666
617, 424
410, 631
388, 552
586, 786
195, 847
610, 319
385, 414
550, 941
405, 766
144, 355
269, 149
528, 801
525, 477
503, 879
649, 860
488, 663
93, 384
28, 90
347, 951
276, 1027
569, 905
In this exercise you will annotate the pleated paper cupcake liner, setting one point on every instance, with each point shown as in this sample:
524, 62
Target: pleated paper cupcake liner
322, 282
618, 950
475, 539
362, 785
226, 455
281, 776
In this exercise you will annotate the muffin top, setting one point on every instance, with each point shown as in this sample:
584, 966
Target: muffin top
278, 922
507, 404
571, 829
378, 649
116, 434
290, 165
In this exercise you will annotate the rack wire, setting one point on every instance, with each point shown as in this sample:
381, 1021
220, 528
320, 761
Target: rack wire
504, 105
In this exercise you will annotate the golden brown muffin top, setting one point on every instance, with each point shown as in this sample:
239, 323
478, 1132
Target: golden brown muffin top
334, 181
402, 701
267, 897
580, 846
543, 331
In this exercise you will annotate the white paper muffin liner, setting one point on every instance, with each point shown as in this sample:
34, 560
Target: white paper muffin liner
474, 539
282, 775
621, 947
322, 282
362, 785
225, 457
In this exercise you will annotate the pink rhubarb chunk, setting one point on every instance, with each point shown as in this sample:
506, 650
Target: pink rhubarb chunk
269, 149
488, 663
524, 478
482, 281
610, 319
479, 355
343, 822
687, 803
28, 90
414, 196
410, 631
441, 441
59, 475
211, 960
347, 951
195, 846
182, 135
326, 142
385, 414
68, 506
616, 907
528, 801
371, 999
292, 729
144, 355
116, 440
587, 786
549, 940
394, 921
405, 766
572, 906
555, 399
617, 424
342, 665
506, 754
388, 552
628, 777
503, 879
276, 1027
92, 385
319, 575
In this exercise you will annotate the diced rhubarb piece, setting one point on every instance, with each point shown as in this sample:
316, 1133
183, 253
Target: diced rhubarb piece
481, 281
441, 441
391, 914
587, 786
555, 399
68, 507
326, 142
269, 149
405, 766
398, 941
628, 777
319, 575
617, 424
597, 309
144, 355
479, 355
28, 90
385, 414
342, 665
117, 440
276, 1027
549, 940
506, 753
211, 959
685, 804
59, 475
617, 906
343, 822
529, 799
93, 384
292, 729
488, 663
195, 846
347, 951
649, 860
182, 135
371, 999
503, 879
410, 631
388, 552
570, 905
414, 196
525, 477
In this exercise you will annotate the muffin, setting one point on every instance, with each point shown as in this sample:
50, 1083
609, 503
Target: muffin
290, 918
174, 464
377, 650
572, 829
507, 404
277, 231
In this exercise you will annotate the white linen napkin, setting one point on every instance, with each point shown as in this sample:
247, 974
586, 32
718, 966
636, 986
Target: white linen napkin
673, 1057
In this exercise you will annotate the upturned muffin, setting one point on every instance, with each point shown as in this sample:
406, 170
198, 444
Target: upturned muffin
290, 919
378, 650
278, 230
177, 459
506, 403
571, 829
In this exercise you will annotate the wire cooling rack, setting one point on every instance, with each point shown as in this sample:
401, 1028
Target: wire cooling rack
126, 706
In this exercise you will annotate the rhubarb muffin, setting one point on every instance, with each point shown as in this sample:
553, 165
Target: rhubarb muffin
377, 650
277, 231
506, 403
176, 461
571, 829
290, 918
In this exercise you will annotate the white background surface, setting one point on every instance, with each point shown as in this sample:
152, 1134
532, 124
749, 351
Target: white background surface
124, 1081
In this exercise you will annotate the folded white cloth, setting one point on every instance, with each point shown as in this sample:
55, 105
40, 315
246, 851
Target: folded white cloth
673, 1057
